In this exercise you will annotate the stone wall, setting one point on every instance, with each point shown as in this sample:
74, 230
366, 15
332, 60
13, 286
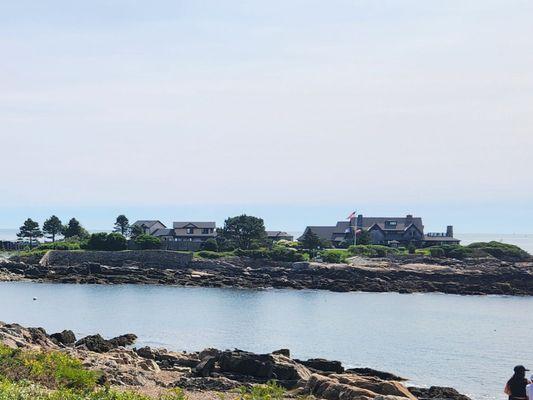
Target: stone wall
141, 258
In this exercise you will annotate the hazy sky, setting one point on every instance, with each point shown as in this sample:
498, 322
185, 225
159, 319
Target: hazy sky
295, 108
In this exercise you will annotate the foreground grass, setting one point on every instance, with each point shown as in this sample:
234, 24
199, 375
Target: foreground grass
34, 375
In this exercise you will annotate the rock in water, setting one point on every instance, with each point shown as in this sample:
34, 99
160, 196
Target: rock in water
66, 337
124, 340
95, 343
323, 365
438, 393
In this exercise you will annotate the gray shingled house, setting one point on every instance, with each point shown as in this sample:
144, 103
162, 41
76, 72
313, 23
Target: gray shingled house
279, 235
149, 226
384, 231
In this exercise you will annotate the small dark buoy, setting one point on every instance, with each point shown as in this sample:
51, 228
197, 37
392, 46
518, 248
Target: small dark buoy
35, 298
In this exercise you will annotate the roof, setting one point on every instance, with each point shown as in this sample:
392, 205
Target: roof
402, 223
440, 239
201, 225
323, 232
163, 232
147, 222
276, 233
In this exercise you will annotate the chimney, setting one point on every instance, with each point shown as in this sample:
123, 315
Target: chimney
360, 221
408, 219
449, 231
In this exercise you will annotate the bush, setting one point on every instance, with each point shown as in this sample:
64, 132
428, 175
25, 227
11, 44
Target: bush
282, 253
209, 254
210, 245
501, 251
51, 369
371, 250
256, 254
437, 252
334, 256
147, 242
107, 242
269, 391
60, 246
411, 248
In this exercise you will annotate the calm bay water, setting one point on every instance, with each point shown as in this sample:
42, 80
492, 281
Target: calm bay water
468, 342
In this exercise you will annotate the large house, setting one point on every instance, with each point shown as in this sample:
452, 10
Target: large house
384, 231
187, 232
149, 226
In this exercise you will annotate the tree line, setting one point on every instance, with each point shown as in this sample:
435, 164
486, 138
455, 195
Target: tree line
53, 227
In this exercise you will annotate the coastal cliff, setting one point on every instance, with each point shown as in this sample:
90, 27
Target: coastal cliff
208, 374
404, 275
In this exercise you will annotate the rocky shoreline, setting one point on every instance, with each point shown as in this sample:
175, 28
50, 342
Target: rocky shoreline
213, 373
403, 275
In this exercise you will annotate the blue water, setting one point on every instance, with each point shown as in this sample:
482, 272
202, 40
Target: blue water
467, 342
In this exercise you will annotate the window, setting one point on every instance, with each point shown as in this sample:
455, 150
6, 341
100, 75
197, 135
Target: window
205, 231
190, 231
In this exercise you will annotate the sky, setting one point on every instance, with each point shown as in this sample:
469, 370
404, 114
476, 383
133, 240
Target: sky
299, 111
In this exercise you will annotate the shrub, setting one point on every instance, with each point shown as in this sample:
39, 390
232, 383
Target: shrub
210, 245
282, 253
60, 246
411, 248
372, 250
269, 391
334, 256
147, 242
256, 254
209, 254
501, 251
436, 252
107, 242
51, 369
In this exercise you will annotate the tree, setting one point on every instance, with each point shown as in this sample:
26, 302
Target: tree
107, 242
244, 230
136, 231
311, 241
116, 242
147, 242
364, 237
97, 241
52, 226
122, 225
74, 229
212, 245
30, 230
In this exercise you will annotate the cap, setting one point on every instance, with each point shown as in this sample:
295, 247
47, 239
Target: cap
520, 368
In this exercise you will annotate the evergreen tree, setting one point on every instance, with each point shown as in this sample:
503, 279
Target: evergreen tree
29, 230
74, 229
122, 225
310, 240
52, 226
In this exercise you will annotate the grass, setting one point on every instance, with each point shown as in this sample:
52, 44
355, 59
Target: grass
268, 391
33, 375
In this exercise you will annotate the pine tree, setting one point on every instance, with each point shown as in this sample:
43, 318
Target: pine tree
30, 230
52, 226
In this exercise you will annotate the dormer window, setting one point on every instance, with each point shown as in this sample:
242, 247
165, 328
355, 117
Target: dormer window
391, 224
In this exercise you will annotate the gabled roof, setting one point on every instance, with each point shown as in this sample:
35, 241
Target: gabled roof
163, 232
189, 224
276, 233
402, 223
147, 222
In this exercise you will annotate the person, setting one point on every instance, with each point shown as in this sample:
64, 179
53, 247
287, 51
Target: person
516, 386
529, 389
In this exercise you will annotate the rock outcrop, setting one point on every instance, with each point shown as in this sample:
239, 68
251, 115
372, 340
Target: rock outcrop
404, 275
146, 369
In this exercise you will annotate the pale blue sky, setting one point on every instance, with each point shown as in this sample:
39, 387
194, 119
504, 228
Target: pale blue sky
298, 110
